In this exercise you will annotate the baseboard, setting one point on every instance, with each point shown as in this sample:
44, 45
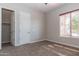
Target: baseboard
31, 42
37, 41
73, 46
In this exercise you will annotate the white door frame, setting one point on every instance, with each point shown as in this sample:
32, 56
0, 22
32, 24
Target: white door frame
0, 27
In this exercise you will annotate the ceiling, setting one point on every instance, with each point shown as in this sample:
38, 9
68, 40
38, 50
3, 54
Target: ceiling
42, 7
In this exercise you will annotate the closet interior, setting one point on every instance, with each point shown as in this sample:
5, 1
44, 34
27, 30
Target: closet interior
6, 26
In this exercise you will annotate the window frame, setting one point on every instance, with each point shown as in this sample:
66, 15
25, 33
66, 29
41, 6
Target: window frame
70, 22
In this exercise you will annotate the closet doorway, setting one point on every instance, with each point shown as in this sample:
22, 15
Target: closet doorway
7, 27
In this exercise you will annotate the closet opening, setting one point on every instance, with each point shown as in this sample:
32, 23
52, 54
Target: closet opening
7, 27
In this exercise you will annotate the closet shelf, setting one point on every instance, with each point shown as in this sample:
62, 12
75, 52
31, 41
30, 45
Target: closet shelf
6, 23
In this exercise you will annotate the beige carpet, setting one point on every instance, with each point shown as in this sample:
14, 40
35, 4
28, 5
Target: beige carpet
44, 48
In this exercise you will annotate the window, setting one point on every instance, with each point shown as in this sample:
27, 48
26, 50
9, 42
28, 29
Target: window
69, 24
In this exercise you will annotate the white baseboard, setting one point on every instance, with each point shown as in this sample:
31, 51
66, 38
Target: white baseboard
31, 42
50, 41
37, 41
64, 44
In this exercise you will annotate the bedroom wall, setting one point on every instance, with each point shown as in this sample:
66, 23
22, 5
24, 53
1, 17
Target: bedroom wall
37, 18
38, 26
53, 25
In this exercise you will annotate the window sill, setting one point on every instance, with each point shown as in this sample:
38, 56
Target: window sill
69, 36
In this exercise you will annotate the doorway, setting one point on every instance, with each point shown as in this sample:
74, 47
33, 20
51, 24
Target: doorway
7, 17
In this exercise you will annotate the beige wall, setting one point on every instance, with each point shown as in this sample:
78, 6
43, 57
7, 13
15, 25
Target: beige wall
53, 25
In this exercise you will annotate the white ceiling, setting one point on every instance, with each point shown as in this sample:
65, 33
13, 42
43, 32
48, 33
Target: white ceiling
42, 7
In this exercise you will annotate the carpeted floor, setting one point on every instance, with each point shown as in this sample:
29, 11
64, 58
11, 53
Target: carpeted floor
43, 48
